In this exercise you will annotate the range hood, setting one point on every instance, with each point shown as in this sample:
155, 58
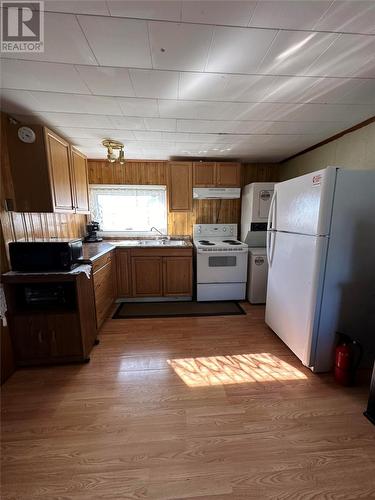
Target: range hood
216, 193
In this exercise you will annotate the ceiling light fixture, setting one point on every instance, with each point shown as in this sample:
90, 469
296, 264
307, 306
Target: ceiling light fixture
114, 146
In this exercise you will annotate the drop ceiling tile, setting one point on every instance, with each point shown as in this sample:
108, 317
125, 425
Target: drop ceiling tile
148, 135
288, 14
118, 42
158, 146
138, 107
219, 126
292, 52
64, 42
106, 80
162, 124
160, 10
153, 83
16, 74
340, 90
305, 128
96, 133
238, 50
93, 7
329, 112
75, 103
353, 16
210, 110
222, 87
18, 101
126, 122
350, 55
202, 137
357, 92
75, 120
179, 46
233, 13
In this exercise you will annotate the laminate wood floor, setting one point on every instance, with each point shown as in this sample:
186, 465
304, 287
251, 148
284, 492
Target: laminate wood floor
197, 408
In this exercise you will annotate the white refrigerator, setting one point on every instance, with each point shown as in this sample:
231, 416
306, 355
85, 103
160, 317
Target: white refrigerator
321, 258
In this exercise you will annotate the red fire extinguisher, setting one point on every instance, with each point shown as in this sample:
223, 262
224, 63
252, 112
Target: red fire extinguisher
347, 358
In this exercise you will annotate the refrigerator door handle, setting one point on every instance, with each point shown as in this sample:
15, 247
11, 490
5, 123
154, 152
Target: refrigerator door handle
271, 212
268, 247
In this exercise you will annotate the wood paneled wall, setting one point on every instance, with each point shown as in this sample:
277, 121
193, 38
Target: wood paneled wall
155, 172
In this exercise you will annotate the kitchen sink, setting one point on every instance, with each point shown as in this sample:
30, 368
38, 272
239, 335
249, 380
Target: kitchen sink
150, 243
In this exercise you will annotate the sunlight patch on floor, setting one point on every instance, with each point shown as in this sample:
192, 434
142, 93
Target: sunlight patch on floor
234, 369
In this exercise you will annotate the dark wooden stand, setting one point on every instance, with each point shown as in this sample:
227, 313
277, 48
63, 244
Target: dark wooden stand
54, 333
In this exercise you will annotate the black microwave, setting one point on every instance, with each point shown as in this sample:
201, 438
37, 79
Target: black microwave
45, 255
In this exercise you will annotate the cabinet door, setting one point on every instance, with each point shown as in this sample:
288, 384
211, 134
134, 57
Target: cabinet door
104, 292
180, 187
81, 191
65, 337
58, 156
147, 276
30, 338
228, 174
178, 276
123, 273
204, 174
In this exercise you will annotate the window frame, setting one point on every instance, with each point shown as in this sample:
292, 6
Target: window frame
116, 234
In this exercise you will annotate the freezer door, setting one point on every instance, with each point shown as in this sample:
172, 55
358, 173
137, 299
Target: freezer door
304, 204
293, 290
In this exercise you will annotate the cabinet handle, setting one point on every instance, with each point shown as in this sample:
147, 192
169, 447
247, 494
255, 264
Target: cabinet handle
40, 338
53, 336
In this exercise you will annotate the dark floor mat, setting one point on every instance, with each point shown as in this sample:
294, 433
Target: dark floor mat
172, 309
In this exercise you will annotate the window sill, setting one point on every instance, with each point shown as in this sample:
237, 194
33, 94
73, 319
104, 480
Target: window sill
130, 234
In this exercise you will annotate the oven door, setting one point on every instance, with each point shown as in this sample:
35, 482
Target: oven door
221, 267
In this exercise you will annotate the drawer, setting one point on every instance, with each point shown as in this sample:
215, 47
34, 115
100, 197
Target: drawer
104, 292
102, 261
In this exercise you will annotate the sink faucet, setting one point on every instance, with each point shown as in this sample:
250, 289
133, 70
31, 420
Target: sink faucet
164, 236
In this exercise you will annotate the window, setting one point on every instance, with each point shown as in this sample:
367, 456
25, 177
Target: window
123, 209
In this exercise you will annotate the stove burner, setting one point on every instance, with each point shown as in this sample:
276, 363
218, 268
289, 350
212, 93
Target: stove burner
232, 242
206, 243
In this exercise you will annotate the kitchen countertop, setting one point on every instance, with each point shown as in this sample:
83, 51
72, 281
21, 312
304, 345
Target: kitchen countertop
92, 251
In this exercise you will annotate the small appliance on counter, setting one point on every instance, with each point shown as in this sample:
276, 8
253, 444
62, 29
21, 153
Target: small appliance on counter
92, 232
45, 255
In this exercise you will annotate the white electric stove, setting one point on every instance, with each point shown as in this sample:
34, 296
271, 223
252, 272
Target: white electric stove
221, 262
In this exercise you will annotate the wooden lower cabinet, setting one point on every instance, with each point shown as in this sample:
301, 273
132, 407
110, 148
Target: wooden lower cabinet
123, 273
38, 337
161, 272
147, 276
177, 276
57, 332
31, 338
104, 287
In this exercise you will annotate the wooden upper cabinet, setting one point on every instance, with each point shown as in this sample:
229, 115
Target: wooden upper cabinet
204, 174
211, 174
80, 181
58, 157
180, 186
228, 174
46, 174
